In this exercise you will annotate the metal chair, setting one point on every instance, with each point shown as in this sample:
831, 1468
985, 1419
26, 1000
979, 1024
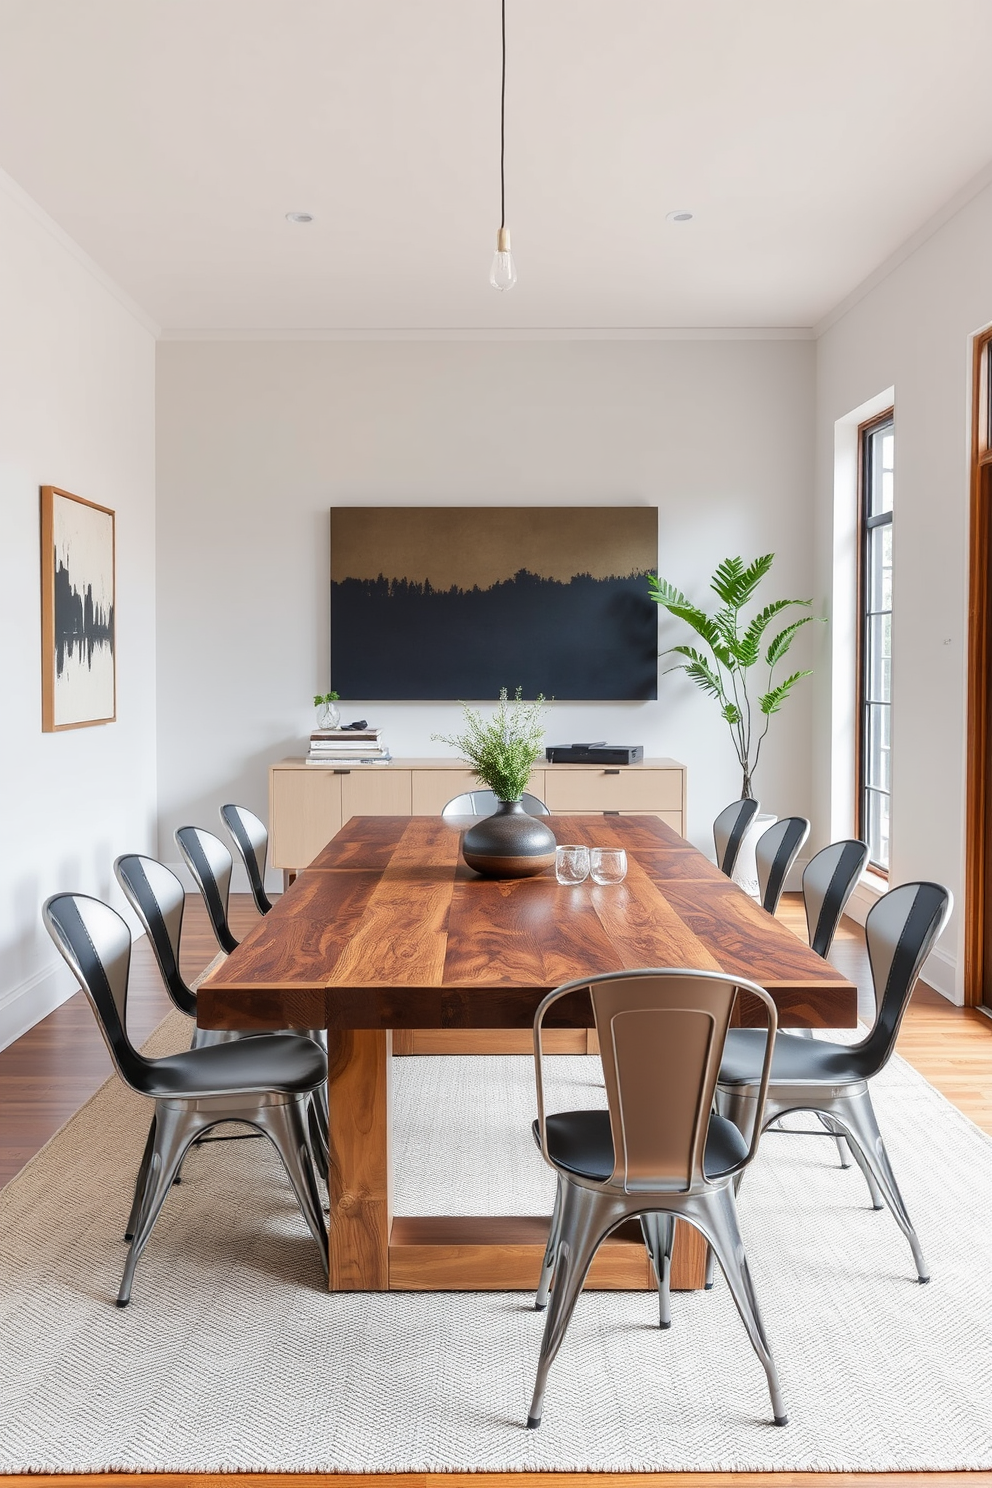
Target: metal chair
266, 1081
158, 899
485, 802
832, 1079
658, 1152
728, 832
829, 879
210, 863
774, 854
251, 839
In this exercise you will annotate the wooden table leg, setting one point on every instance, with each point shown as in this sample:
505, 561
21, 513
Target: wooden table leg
361, 1173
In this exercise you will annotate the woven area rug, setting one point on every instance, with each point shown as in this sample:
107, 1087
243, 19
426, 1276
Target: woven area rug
232, 1356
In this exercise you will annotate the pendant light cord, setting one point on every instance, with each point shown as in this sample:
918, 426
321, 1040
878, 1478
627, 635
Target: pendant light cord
502, 125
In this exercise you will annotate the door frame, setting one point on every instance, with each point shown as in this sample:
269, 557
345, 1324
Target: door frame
978, 811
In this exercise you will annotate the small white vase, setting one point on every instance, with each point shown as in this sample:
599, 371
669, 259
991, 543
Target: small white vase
328, 715
745, 872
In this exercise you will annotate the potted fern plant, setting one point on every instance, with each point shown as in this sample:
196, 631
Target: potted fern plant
502, 751
736, 651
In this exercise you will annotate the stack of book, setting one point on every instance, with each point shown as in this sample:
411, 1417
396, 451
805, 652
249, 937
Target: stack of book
346, 748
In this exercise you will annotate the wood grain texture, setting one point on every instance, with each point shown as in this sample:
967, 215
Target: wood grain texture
503, 1480
399, 933
360, 1181
483, 1253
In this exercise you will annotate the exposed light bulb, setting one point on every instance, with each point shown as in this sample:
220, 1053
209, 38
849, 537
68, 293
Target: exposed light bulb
503, 274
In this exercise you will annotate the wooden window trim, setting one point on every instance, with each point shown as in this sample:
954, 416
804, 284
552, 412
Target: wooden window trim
865, 430
977, 677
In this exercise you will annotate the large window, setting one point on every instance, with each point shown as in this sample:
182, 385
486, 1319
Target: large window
875, 710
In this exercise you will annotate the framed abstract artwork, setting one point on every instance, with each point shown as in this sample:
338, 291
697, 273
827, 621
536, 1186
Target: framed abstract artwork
457, 602
78, 612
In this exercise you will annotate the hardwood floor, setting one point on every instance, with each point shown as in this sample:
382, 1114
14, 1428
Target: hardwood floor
50, 1072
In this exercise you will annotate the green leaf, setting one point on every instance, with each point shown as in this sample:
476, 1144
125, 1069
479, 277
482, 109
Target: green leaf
736, 584
731, 713
783, 640
770, 702
752, 577
763, 619
725, 579
699, 669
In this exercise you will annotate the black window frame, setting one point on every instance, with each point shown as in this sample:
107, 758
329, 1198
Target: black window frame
870, 522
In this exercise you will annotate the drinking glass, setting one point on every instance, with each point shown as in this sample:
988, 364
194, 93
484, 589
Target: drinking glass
608, 865
571, 863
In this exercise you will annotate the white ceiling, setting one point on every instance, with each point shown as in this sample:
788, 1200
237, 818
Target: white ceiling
810, 137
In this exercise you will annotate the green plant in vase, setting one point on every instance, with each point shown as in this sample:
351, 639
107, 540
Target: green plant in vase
735, 648
328, 716
502, 751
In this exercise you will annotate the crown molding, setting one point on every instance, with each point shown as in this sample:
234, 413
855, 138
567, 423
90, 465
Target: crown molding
488, 333
27, 204
913, 243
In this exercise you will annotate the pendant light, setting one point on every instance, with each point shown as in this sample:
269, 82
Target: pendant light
503, 274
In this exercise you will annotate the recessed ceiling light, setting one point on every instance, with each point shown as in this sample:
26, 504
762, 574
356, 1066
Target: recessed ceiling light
680, 216
299, 217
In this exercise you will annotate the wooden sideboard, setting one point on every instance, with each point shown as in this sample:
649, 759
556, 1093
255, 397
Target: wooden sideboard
308, 804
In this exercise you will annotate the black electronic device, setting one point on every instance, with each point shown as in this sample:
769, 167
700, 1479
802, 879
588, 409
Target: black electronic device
599, 753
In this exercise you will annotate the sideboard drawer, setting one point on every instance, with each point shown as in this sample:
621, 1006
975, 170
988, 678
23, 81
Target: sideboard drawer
433, 789
619, 789
376, 791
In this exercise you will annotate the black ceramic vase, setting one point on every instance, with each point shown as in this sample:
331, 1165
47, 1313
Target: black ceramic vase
509, 844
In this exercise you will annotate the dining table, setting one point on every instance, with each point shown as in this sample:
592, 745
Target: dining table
388, 931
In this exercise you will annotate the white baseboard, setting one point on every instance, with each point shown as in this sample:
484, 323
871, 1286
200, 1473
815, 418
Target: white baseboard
23, 1006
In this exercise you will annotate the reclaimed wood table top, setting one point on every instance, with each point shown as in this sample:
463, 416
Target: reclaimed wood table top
389, 928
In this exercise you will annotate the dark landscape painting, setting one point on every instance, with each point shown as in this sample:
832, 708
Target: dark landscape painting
457, 602
78, 611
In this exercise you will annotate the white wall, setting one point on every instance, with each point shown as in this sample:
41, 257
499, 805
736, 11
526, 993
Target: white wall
913, 332
257, 440
77, 411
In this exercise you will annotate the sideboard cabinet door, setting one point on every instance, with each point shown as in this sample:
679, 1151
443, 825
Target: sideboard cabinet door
384, 791
304, 814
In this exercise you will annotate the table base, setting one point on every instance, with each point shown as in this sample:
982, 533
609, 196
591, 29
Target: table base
370, 1251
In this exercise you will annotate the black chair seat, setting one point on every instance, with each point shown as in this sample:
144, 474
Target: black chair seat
794, 1060
277, 1062
581, 1143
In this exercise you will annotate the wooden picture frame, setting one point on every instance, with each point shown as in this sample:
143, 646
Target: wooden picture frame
78, 612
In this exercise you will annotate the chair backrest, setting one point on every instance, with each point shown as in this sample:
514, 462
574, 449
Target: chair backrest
158, 899
485, 802
210, 863
728, 832
661, 1037
774, 854
251, 839
829, 879
96, 943
900, 929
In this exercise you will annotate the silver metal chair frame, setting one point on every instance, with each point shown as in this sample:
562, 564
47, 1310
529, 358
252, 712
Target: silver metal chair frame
267, 1082
251, 839
774, 854
661, 1036
485, 802
729, 828
210, 864
158, 899
900, 930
